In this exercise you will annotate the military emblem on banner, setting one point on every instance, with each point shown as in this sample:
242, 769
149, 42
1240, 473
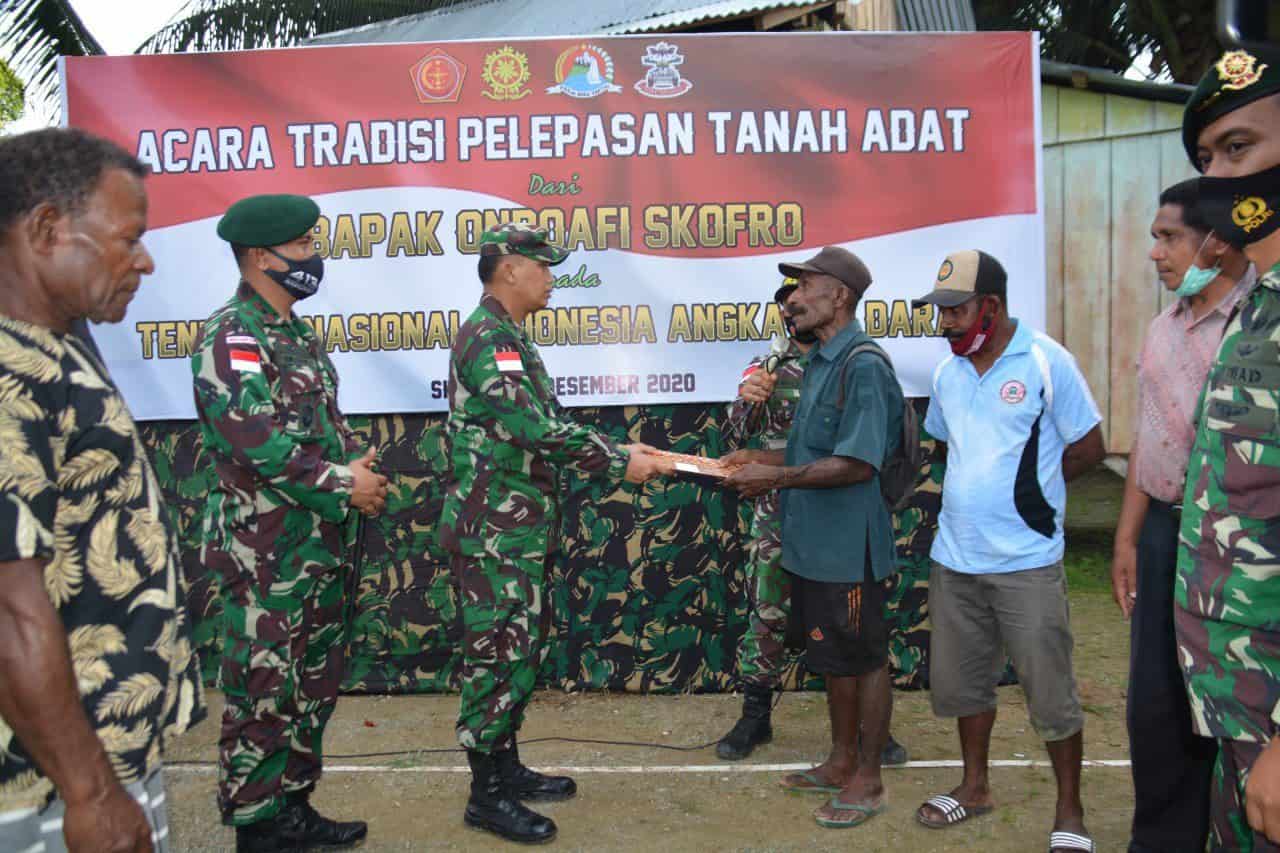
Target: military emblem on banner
663, 79
584, 71
505, 72
438, 77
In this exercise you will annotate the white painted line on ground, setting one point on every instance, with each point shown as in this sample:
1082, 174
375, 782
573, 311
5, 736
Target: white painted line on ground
185, 767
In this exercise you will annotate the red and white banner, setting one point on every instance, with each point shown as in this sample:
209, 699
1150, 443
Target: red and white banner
678, 169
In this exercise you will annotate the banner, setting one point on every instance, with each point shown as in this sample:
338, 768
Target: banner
679, 169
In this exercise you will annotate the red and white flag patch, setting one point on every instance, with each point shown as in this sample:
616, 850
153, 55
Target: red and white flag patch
751, 368
245, 360
509, 362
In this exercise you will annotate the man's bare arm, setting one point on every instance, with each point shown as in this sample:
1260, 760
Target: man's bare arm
41, 703
1084, 455
827, 473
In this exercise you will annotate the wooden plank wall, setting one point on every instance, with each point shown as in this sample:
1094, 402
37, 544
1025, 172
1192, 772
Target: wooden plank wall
1106, 159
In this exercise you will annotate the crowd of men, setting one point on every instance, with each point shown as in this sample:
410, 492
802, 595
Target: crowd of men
97, 669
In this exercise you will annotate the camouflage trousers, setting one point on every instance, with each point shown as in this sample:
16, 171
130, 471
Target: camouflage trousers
282, 666
506, 618
761, 652
1229, 830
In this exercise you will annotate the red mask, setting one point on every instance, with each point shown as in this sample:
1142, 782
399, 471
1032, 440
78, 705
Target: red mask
978, 336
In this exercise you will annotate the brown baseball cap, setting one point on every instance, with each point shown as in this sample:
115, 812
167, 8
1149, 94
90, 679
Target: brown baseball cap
963, 276
836, 262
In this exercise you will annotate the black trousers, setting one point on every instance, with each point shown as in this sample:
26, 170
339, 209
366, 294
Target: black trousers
1172, 766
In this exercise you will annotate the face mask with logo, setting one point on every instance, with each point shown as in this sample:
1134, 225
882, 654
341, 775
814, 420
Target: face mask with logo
302, 278
977, 337
1242, 210
1196, 279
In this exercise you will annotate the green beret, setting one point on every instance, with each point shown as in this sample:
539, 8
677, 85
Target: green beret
514, 238
1235, 80
268, 220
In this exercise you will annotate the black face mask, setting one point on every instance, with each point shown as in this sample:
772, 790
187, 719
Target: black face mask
302, 278
1242, 210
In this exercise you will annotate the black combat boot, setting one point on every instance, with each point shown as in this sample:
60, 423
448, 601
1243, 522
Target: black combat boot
894, 754
320, 831
530, 785
494, 808
753, 729
284, 833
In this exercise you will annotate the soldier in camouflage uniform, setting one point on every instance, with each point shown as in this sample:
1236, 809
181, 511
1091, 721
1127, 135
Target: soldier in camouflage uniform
1227, 595
509, 439
761, 652
276, 531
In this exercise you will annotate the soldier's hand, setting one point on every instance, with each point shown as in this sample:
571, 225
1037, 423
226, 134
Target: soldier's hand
758, 387
1124, 578
738, 458
1262, 792
369, 494
642, 466
109, 822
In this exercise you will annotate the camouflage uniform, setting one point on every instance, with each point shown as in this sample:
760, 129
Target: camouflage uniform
509, 439
1227, 610
761, 652
275, 534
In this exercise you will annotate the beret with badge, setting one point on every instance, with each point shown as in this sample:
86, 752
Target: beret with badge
1238, 78
268, 220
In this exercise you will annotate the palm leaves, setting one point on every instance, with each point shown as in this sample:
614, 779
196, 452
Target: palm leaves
244, 24
1111, 33
33, 34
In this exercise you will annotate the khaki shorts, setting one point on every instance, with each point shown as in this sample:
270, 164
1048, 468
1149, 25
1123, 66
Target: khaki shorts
977, 619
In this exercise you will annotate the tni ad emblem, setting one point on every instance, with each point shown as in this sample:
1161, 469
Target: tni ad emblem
438, 77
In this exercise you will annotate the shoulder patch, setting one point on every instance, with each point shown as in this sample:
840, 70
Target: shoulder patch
242, 340
244, 359
508, 360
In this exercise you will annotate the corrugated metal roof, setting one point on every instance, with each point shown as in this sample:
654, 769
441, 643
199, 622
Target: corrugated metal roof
936, 15
511, 18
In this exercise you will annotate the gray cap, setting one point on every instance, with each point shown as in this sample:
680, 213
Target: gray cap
836, 262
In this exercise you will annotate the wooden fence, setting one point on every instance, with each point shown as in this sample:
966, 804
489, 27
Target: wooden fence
1106, 159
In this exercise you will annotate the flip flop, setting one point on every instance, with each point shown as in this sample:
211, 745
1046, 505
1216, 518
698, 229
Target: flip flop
1060, 840
952, 812
815, 785
861, 814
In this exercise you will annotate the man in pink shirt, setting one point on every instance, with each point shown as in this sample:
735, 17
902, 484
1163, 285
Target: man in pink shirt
1172, 766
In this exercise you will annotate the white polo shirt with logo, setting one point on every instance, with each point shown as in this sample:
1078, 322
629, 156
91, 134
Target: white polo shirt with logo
1004, 496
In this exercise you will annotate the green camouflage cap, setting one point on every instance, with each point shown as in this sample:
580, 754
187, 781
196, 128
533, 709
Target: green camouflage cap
514, 238
268, 220
1237, 79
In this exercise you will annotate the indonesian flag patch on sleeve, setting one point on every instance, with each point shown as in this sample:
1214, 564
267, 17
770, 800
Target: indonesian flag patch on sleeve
509, 361
245, 360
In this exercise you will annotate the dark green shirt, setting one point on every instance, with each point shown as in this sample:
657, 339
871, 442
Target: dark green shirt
828, 533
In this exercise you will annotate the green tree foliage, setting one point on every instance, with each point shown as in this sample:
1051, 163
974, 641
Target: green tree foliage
12, 95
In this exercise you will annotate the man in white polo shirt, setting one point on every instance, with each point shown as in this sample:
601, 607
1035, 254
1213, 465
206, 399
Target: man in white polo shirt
1018, 421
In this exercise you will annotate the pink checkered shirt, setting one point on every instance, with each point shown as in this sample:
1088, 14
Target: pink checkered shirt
1176, 357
